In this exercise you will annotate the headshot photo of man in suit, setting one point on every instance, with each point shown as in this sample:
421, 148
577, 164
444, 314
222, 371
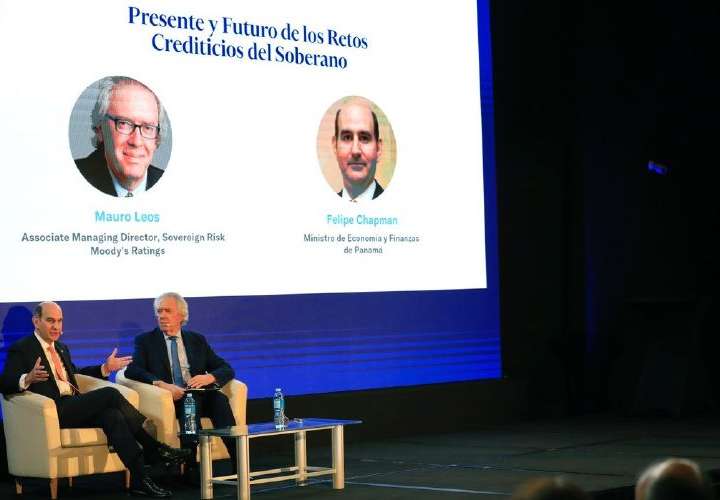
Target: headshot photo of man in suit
358, 146
176, 359
43, 365
128, 124
356, 149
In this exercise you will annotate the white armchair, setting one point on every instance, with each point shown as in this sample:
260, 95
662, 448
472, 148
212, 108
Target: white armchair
37, 447
157, 405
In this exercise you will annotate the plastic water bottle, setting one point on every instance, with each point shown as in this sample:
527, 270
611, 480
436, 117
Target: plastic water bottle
190, 410
279, 409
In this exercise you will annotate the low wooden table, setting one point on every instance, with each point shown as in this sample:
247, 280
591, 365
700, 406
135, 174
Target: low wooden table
301, 471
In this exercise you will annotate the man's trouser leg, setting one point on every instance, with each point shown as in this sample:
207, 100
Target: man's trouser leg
108, 409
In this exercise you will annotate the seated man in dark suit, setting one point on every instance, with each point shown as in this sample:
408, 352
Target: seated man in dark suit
43, 365
128, 124
174, 359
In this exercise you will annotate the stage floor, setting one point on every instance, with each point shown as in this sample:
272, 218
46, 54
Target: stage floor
601, 454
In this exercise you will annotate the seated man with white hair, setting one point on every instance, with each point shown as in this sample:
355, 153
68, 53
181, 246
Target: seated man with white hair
176, 359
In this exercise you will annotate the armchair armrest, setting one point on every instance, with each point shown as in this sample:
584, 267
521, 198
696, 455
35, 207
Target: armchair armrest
88, 384
236, 392
31, 426
156, 404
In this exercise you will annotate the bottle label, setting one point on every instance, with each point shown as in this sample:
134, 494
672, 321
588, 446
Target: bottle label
190, 427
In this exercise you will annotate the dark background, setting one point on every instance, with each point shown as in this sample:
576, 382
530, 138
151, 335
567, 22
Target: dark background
608, 271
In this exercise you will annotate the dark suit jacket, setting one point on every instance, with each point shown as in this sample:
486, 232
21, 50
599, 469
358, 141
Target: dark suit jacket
378, 190
21, 358
150, 359
95, 170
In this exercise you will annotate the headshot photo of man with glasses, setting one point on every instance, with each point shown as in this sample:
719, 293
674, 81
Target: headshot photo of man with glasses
127, 126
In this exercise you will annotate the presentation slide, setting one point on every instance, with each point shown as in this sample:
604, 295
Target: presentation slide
316, 179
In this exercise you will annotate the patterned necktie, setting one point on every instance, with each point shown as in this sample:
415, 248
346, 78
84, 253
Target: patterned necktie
56, 361
176, 371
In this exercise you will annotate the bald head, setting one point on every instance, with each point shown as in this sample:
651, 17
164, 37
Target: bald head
680, 469
48, 321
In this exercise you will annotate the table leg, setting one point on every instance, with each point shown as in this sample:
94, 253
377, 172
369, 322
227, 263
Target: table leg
301, 457
242, 450
206, 488
338, 457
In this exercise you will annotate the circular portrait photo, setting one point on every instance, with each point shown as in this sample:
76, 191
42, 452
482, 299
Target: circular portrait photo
356, 149
120, 136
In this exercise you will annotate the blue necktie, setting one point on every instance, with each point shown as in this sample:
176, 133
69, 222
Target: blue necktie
176, 371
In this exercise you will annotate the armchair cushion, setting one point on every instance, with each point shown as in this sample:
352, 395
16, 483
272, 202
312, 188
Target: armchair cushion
157, 404
71, 438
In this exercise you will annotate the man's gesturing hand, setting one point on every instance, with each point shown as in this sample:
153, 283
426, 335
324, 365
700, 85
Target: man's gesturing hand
37, 374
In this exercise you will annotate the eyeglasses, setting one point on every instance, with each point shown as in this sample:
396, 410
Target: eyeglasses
126, 127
